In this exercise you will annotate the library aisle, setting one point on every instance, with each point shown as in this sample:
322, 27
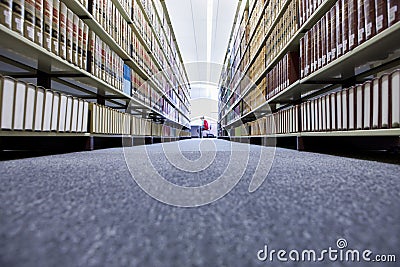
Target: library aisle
158, 133
86, 210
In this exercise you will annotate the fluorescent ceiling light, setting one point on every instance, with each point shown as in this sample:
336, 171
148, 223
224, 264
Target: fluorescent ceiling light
209, 28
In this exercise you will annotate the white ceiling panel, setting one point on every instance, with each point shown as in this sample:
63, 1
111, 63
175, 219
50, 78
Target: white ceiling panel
189, 19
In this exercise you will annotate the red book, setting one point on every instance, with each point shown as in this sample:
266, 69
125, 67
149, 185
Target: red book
339, 29
333, 32
319, 44
63, 30
353, 23
345, 26
360, 22
323, 41
369, 13
328, 37
302, 57
292, 66
55, 27
393, 11
69, 39
308, 53
381, 15
47, 23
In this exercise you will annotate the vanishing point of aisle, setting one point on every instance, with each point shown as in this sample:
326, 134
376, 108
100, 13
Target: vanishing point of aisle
84, 209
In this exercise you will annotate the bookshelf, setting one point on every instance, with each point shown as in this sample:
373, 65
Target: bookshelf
132, 72
276, 77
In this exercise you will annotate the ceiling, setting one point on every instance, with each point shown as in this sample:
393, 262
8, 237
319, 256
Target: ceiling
198, 40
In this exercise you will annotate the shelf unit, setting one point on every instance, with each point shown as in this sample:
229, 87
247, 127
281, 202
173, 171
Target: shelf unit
25, 60
368, 60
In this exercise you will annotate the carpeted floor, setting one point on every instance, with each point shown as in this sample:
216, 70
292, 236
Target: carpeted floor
84, 209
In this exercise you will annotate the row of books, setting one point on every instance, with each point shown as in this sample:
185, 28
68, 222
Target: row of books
26, 107
75, 42
105, 63
108, 16
255, 16
347, 25
282, 32
307, 8
258, 65
374, 104
105, 120
255, 97
50, 24
285, 73
281, 122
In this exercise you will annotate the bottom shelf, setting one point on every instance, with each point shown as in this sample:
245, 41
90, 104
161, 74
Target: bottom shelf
69, 142
355, 133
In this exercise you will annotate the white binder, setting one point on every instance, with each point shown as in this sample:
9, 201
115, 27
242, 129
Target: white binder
333, 112
85, 117
68, 114
384, 105
19, 105
80, 116
30, 107
375, 103
39, 106
395, 93
55, 112
7, 93
351, 94
74, 116
359, 105
63, 113
328, 112
367, 87
339, 109
48, 108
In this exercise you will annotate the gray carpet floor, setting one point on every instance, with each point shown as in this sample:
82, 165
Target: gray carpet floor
84, 209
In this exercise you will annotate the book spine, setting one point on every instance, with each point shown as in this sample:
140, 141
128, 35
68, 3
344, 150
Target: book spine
18, 16
80, 43
75, 33
339, 29
55, 27
393, 11
63, 31
353, 23
369, 13
70, 19
47, 23
345, 26
328, 38
319, 44
6, 11
29, 20
385, 102
85, 46
395, 98
333, 32
323, 41
381, 16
